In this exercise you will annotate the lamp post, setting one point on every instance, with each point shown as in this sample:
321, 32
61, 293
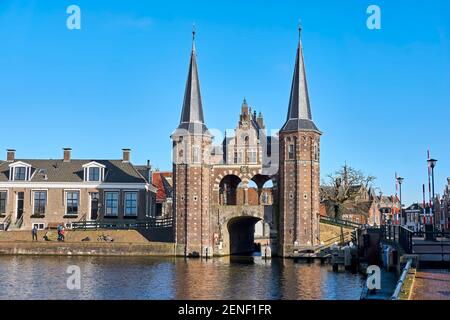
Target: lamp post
400, 181
432, 164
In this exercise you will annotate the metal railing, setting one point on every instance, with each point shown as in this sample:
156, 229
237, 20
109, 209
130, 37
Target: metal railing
152, 223
4, 225
19, 222
399, 234
440, 246
340, 222
401, 281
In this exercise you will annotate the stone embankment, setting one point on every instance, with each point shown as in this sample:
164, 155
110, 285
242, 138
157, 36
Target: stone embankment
125, 243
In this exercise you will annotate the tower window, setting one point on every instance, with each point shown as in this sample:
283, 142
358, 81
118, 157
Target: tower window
291, 151
315, 152
196, 154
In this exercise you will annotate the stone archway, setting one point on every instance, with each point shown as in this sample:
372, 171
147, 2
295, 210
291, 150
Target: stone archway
241, 232
228, 190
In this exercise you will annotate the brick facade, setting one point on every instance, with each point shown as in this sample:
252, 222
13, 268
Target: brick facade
216, 202
299, 191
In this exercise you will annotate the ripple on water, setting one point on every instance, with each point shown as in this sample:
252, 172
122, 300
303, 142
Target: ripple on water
27, 277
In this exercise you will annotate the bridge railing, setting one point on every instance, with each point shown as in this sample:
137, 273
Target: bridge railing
153, 223
439, 246
399, 234
340, 222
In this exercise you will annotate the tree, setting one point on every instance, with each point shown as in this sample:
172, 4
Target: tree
340, 190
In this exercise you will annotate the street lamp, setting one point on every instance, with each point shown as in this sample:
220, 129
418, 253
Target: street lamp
400, 181
432, 164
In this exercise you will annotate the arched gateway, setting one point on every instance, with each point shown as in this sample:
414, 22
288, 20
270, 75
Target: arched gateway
252, 190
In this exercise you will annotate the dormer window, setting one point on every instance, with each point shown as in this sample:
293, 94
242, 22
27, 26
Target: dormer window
94, 172
20, 171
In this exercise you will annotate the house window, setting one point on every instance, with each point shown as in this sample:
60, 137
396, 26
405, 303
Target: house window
72, 201
112, 203
131, 203
20, 174
291, 152
196, 154
39, 226
159, 210
3, 195
40, 201
94, 174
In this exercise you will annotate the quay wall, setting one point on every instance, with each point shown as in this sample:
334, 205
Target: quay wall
87, 249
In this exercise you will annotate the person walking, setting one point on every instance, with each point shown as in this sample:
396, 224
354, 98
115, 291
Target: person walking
34, 232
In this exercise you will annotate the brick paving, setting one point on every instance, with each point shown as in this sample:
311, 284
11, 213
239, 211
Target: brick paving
431, 285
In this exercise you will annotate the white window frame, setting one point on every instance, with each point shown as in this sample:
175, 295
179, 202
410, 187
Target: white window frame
33, 192
39, 224
65, 201
105, 195
19, 164
93, 164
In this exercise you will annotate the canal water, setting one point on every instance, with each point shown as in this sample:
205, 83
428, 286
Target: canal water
39, 277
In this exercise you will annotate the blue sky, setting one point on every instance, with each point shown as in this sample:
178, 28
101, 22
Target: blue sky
381, 97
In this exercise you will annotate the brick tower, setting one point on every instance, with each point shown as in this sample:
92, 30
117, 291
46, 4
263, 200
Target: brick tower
192, 171
299, 170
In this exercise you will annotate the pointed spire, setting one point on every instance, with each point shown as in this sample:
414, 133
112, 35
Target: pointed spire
192, 113
299, 113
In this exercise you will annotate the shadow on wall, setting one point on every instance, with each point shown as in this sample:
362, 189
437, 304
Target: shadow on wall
158, 235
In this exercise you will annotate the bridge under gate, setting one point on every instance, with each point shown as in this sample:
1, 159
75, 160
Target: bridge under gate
236, 228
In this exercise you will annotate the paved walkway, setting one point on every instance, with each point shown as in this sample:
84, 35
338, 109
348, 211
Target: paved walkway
431, 285
128, 236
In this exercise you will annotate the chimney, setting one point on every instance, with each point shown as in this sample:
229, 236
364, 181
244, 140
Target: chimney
67, 154
10, 155
149, 171
126, 155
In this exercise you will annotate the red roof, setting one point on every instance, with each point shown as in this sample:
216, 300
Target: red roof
162, 181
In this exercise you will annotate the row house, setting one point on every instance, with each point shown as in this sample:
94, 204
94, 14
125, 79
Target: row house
361, 205
413, 216
45, 193
163, 182
390, 209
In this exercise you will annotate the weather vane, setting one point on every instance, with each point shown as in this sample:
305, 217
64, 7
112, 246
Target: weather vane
299, 28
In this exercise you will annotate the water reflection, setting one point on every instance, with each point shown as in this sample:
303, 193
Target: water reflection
172, 278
